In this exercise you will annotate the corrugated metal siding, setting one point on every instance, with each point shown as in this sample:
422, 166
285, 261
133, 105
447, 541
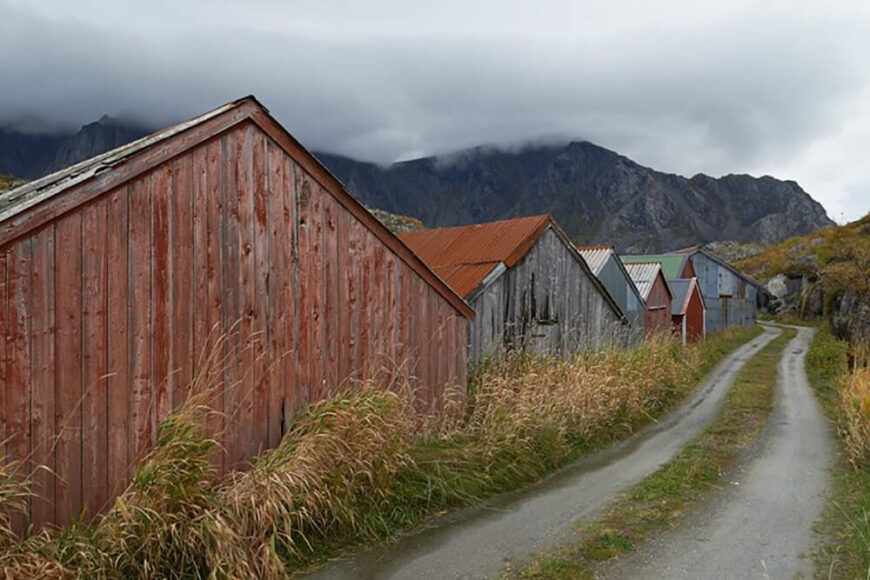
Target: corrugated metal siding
106, 308
722, 288
613, 278
547, 303
596, 257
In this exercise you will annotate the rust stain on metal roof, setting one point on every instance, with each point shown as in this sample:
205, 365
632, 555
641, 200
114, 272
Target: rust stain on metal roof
463, 256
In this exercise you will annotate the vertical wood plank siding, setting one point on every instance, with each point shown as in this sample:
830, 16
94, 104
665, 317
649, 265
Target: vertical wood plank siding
106, 310
658, 313
547, 303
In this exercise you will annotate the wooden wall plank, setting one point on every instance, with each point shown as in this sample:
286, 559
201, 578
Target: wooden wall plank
354, 300
182, 281
200, 306
366, 258
378, 310
391, 314
331, 304
4, 360
139, 326
277, 275
404, 324
19, 315
43, 375
161, 296
68, 352
247, 293
305, 313
95, 436
118, 342
290, 295
261, 311
230, 237
343, 265
316, 292
215, 226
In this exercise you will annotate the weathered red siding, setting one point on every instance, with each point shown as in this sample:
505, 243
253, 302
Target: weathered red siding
695, 316
105, 309
657, 316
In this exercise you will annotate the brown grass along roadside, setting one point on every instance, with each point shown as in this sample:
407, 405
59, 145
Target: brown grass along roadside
354, 468
838, 373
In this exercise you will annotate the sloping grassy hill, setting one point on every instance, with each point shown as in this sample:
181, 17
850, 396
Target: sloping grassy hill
835, 252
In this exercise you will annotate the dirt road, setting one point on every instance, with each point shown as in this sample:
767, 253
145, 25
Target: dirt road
761, 527
478, 542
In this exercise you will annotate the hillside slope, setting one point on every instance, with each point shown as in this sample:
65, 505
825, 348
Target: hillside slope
824, 273
597, 195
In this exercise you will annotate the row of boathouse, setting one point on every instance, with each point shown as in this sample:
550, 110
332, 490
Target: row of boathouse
119, 274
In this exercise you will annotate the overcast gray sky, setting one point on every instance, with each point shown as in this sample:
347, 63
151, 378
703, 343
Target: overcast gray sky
769, 87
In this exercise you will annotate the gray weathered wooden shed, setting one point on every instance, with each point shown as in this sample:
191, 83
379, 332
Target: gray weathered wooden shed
527, 282
609, 269
731, 297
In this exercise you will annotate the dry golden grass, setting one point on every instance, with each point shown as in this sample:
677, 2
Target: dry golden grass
855, 407
577, 398
336, 464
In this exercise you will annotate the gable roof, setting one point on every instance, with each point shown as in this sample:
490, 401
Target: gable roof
682, 289
672, 264
31, 205
465, 255
597, 256
644, 275
692, 250
469, 257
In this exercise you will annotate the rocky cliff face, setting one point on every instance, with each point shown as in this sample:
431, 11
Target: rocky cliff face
597, 195
33, 155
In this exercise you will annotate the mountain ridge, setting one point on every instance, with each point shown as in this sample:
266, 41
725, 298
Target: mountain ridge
598, 195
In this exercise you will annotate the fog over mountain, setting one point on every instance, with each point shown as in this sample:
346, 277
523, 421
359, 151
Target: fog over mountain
774, 88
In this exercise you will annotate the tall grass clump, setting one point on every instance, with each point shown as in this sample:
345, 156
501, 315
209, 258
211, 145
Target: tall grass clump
855, 405
331, 476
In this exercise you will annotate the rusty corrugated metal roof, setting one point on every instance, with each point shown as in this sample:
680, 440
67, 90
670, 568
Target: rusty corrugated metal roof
464, 255
464, 278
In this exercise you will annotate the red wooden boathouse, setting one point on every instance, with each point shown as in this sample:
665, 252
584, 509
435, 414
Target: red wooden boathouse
114, 272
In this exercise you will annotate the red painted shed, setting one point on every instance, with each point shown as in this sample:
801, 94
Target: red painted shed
650, 281
688, 312
114, 272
